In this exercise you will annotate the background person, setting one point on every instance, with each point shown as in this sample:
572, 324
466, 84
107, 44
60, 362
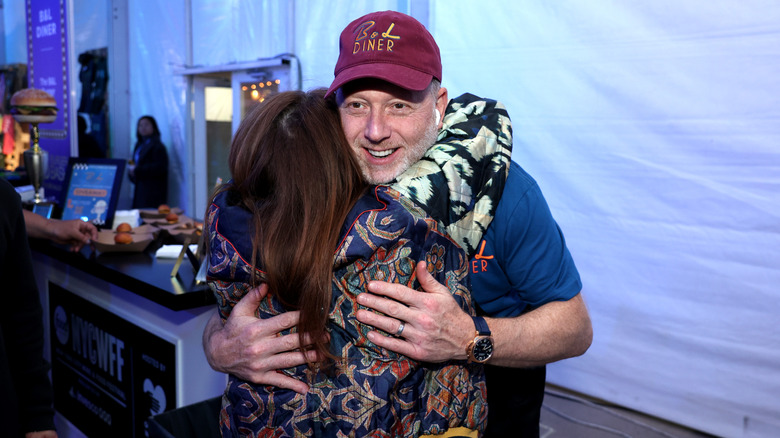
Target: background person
88, 145
149, 168
25, 390
523, 278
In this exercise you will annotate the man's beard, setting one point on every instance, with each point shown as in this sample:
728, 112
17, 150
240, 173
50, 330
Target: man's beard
413, 154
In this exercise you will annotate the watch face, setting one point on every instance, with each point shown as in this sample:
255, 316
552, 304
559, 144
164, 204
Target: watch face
483, 349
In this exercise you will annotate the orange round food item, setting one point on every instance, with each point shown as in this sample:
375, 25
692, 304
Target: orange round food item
124, 227
163, 209
172, 218
123, 238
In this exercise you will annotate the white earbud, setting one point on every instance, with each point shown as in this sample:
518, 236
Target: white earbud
438, 115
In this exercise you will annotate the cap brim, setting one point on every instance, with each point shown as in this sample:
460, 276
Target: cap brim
399, 75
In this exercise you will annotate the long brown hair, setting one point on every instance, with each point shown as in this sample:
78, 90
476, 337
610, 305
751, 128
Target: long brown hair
294, 170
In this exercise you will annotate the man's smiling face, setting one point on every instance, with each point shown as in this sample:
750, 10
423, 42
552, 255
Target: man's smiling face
388, 127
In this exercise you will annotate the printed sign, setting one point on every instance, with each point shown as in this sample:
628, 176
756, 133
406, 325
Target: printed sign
109, 375
47, 69
91, 189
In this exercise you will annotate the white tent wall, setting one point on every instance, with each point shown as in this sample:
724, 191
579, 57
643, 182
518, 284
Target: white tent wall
318, 24
14, 32
653, 130
222, 33
651, 127
230, 32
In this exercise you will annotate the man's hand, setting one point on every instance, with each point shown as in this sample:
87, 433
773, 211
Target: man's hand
41, 434
436, 329
250, 348
74, 232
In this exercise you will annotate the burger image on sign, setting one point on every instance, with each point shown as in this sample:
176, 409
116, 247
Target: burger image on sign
32, 105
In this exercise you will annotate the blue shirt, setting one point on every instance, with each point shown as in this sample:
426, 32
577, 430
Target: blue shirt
522, 261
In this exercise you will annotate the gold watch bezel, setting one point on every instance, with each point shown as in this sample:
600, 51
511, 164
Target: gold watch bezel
473, 343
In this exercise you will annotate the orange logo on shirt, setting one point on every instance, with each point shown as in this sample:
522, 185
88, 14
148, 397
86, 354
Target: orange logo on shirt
479, 263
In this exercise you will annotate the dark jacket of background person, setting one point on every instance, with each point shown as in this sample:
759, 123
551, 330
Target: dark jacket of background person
88, 146
25, 390
150, 175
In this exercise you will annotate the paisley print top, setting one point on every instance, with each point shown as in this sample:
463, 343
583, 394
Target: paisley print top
425, 215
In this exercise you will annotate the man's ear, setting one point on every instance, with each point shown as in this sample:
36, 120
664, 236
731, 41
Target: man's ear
441, 104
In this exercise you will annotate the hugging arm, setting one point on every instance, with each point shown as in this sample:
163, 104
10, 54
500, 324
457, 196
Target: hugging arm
436, 329
251, 348
529, 265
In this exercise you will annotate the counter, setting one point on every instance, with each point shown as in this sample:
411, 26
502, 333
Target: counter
142, 273
123, 337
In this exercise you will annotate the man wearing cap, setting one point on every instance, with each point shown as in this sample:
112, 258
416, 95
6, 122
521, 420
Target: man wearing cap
387, 87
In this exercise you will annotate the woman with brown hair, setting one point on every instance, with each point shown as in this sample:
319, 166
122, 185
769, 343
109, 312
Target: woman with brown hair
298, 216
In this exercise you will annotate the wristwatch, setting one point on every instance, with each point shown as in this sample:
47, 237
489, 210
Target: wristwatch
481, 348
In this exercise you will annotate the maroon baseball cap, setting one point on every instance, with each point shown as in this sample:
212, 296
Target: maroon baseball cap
387, 45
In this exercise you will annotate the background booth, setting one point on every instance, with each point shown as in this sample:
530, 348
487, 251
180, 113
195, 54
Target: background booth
651, 127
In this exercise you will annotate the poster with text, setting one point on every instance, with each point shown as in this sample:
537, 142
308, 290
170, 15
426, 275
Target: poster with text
48, 70
90, 193
109, 375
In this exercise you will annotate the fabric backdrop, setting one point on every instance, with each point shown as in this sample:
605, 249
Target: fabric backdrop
653, 129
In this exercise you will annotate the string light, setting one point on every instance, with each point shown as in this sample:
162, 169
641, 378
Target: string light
266, 86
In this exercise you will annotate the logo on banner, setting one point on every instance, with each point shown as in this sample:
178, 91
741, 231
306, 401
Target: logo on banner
156, 397
61, 326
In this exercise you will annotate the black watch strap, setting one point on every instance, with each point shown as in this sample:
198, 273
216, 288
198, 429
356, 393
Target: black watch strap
481, 325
